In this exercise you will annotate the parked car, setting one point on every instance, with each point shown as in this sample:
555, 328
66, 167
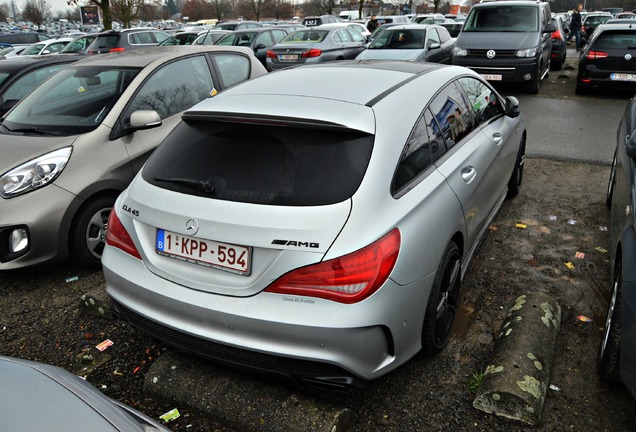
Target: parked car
57, 392
591, 21
316, 265
51, 46
559, 48
391, 19
237, 25
313, 21
23, 38
453, 27
78, 45
11, 51
258, 40
126, 39
617, 352
76, 141
379, 30
210, 37
507, 41
625, 15
434, 18
606, 61
415, 42
19, 75
315, 45
182, 38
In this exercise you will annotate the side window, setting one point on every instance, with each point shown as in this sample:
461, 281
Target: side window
453, 116
264, 38
482, 98
424, 146
174, 88
344, 35
357, 37
433, 38
160, 37
233, 68
278, 35
23, 85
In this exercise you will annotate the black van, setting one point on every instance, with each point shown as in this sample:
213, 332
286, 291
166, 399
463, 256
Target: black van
507, 41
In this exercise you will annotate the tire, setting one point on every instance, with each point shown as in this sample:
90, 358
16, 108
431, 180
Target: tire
88, 233
514, 184
442, 302
558, 63
611, 183
608, 358
535, 84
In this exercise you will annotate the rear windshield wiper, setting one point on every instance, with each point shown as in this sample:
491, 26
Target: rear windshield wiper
202, 185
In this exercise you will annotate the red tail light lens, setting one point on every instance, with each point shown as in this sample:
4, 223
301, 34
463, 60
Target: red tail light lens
118, 237
270, 54
348, 279
116, 50
311, 53
593, 55
582, 30
556, 35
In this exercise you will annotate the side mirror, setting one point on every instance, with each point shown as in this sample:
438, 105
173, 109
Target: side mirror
259, 47
549, 27
143, 119
512, 107
630, 145
434, 46
46, 52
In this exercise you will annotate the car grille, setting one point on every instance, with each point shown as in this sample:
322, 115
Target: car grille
315, 373
481, 53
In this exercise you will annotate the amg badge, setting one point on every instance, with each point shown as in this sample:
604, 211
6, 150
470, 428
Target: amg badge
295, 243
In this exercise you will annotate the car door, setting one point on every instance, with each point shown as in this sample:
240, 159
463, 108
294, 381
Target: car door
469, 165
169, 90
434, 52
262, 42
348, 46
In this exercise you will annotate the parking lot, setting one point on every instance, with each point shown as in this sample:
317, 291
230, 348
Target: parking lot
559, 212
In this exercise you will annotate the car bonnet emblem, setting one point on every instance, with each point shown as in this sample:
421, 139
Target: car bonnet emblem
628, 56
491, 54
192, 226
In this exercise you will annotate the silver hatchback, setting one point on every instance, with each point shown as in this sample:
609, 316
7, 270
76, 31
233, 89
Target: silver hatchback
305, 226
74, 143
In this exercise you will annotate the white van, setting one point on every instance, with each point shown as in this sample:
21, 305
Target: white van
349, 15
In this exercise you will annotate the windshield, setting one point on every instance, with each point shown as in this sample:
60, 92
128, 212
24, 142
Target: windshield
33, 49
503, 19
79, 44
236, 39
399, 39
74, 101
303, 36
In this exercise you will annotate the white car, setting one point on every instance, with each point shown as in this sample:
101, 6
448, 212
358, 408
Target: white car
50, 46
307, 227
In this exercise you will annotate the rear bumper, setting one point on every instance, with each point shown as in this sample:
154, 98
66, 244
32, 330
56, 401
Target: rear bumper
592, 76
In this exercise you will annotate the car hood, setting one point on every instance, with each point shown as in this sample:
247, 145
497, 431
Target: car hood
17, 149
497, 40
389, 54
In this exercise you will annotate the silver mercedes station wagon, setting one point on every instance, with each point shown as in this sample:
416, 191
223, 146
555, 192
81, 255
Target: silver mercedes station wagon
301, 225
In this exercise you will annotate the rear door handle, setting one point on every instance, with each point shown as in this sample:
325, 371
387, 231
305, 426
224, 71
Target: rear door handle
497, 138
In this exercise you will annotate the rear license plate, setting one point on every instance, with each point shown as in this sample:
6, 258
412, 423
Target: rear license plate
490, 77
289, 56
623, 77
209, 253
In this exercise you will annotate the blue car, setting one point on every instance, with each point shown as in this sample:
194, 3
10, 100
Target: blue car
617, 353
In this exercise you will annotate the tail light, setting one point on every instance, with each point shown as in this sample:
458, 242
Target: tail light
270, 54
314, 52
556, 35
582, 29
348, 279
116, 50
118, 237
593, 55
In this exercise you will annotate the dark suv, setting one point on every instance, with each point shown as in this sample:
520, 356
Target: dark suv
127, 39
27, 38
507, 41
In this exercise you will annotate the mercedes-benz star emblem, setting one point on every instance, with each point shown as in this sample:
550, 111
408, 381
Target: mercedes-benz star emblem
628, 56
491, 54
192, 226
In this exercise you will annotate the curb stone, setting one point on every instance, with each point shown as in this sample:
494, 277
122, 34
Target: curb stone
517, 378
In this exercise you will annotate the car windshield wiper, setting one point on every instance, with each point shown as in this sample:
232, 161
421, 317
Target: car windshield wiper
35, 131
202, 185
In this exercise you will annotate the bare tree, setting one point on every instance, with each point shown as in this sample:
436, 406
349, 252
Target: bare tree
222, 8
321, 6
279, 9
196, 10
15, 11
104, 5
256, 6
36, 11
4, 12
126, 10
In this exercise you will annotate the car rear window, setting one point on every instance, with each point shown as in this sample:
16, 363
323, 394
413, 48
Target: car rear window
622, 40
261, 164
107, 41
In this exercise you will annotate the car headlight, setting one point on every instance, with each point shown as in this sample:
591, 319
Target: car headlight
530, 52
34, 174
460, 52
